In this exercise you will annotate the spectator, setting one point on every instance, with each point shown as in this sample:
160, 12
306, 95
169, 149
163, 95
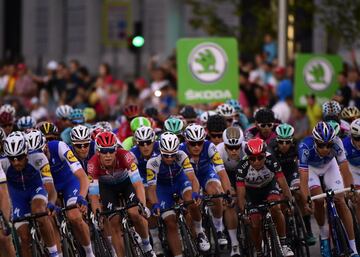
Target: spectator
269, 49
25, 88
301, 123
37, 111
282, 109
284, 88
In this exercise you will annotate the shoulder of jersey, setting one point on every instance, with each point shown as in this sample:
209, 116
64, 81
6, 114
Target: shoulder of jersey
154, 162
307, 142
37, 159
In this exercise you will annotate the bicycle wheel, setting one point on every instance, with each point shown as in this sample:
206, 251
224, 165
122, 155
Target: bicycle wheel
101, 245
356, 226
301, 247
132, 247
341, 238
246, 246
190, 249
210, 232
275, 241
68, 248
16, 242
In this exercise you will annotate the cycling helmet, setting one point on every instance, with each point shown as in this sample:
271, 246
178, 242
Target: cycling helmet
335, 125
331, 108
8, 108
96, 131
225, 110
63, 111
323, 132
151, 112
233, 136
26, 122
350, 113
35, 139
89, 114
195, 132
103, 124
216, 123
174, 125
48, 128
6, 118
284, 131
169, 143
355, 128
131, 111
15, 144
80, 133
264, 115
139, 122
204, 117
235, 104
144, 134
2, 135
106, 139
255, 146
77, 116
188, 112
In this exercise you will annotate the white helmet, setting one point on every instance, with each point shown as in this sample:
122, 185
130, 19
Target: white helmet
35, 139
103, 124
233, 136
225, 110
194, 132
204, 117
26, 122
63, 111
355, 128
2, 135
80, 133
8, 108
144, 134
169, 143
15, 144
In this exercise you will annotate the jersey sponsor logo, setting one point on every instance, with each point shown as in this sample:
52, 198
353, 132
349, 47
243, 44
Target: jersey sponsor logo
75, 191
133, 167
17, 212
38, 162
109, 206
37, 190
70, 156
149, 175
45, 171
217, 159
90, 178
128, 157
187, 164
131, 197
304, 156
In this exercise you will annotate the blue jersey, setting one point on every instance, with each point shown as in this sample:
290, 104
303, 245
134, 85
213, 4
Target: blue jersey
308, 156
91, 153
35, 173
209, 159
159, 172
62, 162
351, 152
141, 161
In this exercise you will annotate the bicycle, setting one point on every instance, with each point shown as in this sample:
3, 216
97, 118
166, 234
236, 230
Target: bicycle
37, 246
8, 230
189, 246
356, 223
101, 244
341, 247
272, 246
247, 247
132, 246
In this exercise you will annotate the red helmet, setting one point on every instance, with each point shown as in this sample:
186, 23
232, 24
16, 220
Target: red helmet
106, 139
96, 132
6, 118
255, 146
131, 111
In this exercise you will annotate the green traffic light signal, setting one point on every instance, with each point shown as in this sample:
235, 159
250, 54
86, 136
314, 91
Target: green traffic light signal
138, 41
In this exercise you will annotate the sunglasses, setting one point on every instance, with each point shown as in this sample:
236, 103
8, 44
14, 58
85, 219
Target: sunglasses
283, 142
355, 138
18, 158
324, 145
192, 143
168, 155
253, 158
266, 125
233, 147
107, 150
143, 143
79, 146
216, 135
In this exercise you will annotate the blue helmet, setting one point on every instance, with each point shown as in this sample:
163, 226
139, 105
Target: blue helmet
235, 104
77, 116
323, 132
26, 122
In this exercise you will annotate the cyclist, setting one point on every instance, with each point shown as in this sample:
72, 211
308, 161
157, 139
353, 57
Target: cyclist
81, 144
204, 117
285, 150
77, 118
124, 130
258, 174
228, 112
8, 108
26, 122
146, 147
210, 171
349, 114
113, 170
7, 120
331, 110
240, 118
62, 113
49, 130
265, 125
28, 175
136, 123
175, 126
189, 114
169, 173
231, 153
323, 155
215, 127
71, 181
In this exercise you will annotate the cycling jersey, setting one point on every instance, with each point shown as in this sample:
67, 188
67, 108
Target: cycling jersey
141, 161
230, 164
208, 164
92, 150
2, 175
124, 168
253, 132
308, 156
124, 131
353, 156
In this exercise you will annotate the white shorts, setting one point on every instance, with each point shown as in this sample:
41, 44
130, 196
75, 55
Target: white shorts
331, 173
355, 171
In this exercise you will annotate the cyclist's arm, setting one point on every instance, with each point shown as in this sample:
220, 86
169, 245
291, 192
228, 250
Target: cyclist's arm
151, 179
189, 171
284, 186
5, 201
219, 167
346, 174
304, 186
140, 191
241, 192
52, 195
84, 181
225, 181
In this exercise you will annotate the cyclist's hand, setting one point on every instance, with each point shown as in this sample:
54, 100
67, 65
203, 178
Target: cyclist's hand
82, 203
155, 210
196, 197
245, 218
144, 211
308, 209
52, 208
229, 200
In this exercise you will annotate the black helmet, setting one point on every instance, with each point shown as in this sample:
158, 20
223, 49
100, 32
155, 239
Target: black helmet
264, 115
216, 123
188, 112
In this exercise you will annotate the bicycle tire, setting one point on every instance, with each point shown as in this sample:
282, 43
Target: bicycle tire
342, 238
68, 249
356, 226
190, 249
210, 232
132, 247
101, 247
246, 246
302, 248
16, 242
275, 241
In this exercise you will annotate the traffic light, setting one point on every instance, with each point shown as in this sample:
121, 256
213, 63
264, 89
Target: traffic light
136, 41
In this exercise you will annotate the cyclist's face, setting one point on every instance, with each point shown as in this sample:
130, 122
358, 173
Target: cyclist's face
82, 149
284, 145
107, 159
195, 148
146, 148
265, 129
168, 158
216, 137
257, 161
19, 162
233, 152
356, 141
323, 149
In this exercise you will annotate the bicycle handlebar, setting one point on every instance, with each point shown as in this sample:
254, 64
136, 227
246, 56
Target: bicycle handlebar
330, 193
28, 217
266, 205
